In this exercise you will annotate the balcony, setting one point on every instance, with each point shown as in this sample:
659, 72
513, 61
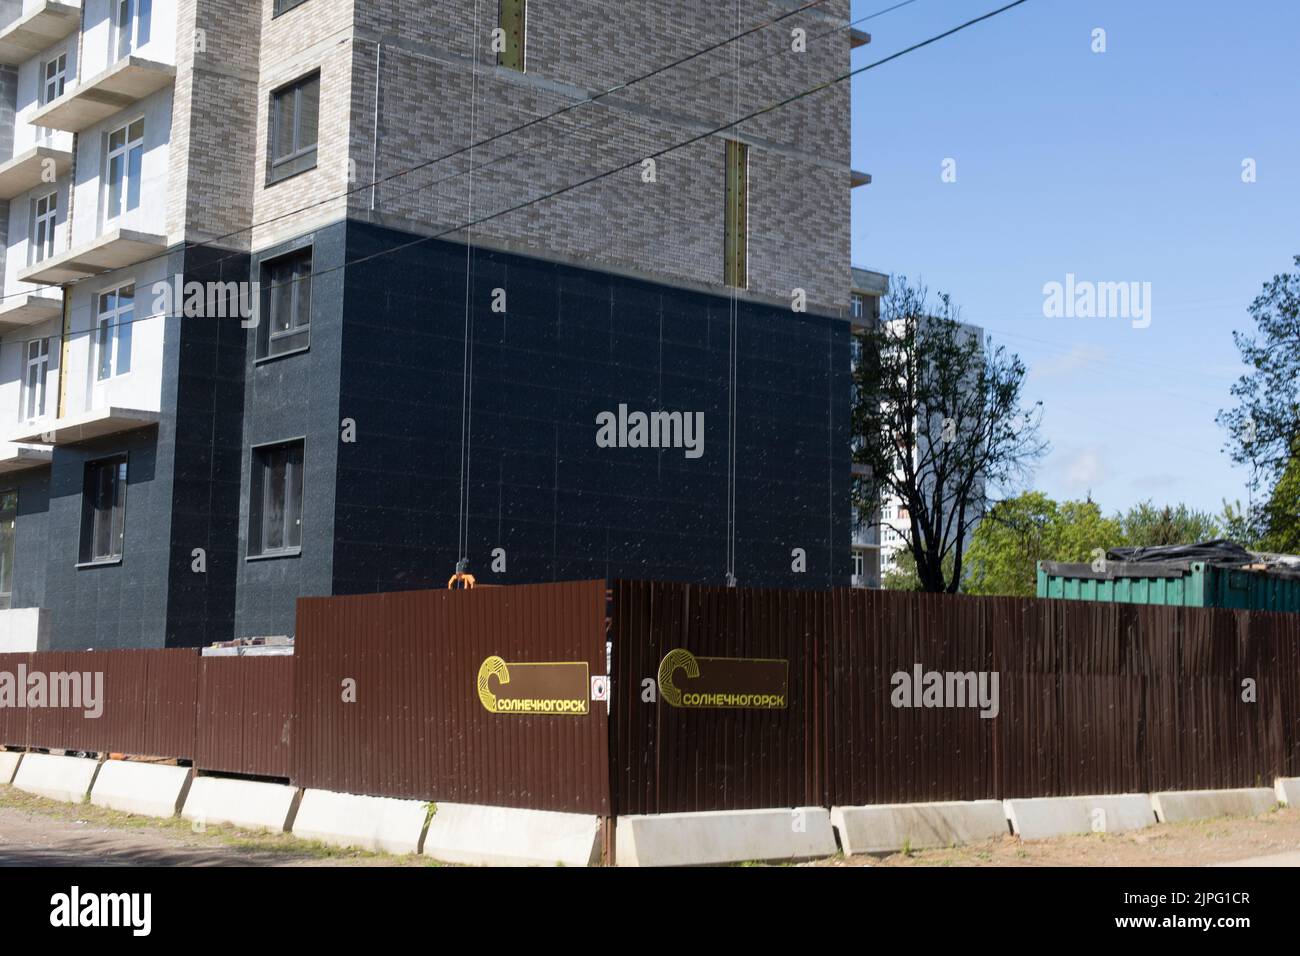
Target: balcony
27, 170
85, 426
126, 82
115, 249
21, 311
37, 31
15, 458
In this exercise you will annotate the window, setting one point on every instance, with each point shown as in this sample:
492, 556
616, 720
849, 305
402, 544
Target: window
103, 511
857, 564
115, 315
8, 518
284, 6
131, 22
56, 74
295, 114
45, 213
512, 21
36, 374
736, 244
122, 170
286, 305
275, 504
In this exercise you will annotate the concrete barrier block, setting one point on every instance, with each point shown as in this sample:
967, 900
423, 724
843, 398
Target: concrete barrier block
1042, 817
886, 828
1179, 806
146, 789
370, 823
504, 836
1287, 789
724, 836
58, 778
251, 804
9, 760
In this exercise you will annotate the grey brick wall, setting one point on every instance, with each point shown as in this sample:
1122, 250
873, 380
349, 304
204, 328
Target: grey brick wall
431, 103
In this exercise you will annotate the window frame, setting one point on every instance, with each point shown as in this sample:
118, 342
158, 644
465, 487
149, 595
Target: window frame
280, 168
58, 78
131, 32
267, 336
280, 7
42, 363
87, 556
124, 151
39, 251
259, 490
113, 338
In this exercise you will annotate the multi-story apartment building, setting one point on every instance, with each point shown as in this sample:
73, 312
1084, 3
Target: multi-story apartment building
448, 292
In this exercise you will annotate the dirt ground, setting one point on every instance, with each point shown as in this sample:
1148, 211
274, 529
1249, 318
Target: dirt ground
1274, 835
38, 832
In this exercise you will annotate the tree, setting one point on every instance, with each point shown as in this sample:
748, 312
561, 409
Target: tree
1264, 428
937, 421
1145, 524
1019, 532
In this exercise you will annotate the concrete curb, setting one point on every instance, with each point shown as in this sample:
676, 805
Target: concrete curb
503, 836
58, 778
381, 824
243, 803
146, 789
1179, 806
9, 761
1287, 789
724, 836
886, 828
1039, 818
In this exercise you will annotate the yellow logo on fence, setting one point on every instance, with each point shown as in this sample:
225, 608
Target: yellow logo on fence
554, 689
729, 682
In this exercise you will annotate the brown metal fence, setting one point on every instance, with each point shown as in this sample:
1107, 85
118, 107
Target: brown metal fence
1092, 698
222, 714
417, 727
389, 695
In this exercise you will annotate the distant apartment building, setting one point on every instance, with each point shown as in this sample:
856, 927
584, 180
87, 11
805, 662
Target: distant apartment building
878, 542
438, 318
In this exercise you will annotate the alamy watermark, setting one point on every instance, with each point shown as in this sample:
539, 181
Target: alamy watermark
624, 429
1084, 299
922, 688
72, 690
207, 300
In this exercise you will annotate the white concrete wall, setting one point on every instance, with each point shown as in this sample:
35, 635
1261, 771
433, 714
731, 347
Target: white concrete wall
88, 217
23, 630
31, 78
98, 36
141, 387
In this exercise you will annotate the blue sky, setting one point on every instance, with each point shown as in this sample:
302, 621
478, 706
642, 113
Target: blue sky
1116, 166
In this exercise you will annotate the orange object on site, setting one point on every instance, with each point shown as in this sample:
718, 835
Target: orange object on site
460, 581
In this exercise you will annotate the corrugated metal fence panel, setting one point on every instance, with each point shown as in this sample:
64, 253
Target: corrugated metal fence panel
417, 728
1092, 698
670, 759
14, 726
245, 716
147, 707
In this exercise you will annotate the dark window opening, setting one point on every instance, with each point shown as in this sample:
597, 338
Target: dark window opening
275, 506
295, 124
103, 511
286, 305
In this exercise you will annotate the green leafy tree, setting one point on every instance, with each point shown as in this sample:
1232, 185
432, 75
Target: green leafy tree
937, 420
1019, 532
1264, 427
1145, 525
